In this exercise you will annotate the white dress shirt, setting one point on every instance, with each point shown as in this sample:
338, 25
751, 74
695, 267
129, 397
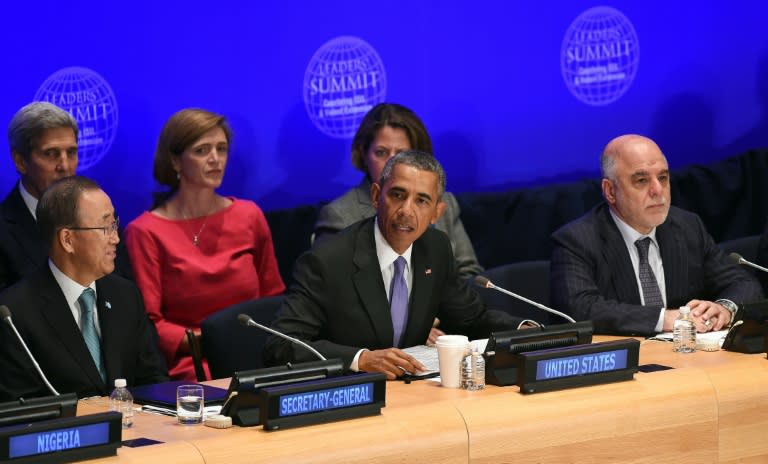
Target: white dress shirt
630, 236
72, 291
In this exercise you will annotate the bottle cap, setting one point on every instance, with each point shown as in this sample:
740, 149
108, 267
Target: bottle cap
120, 383
685, 310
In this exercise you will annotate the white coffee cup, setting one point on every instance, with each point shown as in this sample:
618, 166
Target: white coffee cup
451, 349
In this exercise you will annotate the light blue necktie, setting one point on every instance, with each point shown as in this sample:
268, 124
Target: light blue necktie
87, 302
398, 301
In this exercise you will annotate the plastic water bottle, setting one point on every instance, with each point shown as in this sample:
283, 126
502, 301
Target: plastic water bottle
121, 400
473, 371
684, 332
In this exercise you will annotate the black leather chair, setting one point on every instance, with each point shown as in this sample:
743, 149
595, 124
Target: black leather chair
529, 279
228, 345
197, 355
745, 246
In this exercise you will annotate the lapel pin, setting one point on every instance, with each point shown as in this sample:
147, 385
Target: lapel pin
428, 271
108, 305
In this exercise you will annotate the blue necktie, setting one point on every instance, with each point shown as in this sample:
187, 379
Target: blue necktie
398, 301
87, 302
651, 292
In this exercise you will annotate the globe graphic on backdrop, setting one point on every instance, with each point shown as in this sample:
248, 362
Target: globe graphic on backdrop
89, 98
344, 79
599, 56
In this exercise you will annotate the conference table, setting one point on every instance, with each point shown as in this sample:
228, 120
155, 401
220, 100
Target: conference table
712, 407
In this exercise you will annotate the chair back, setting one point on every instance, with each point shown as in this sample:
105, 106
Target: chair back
529, 279
197, 355
745, 246
230, 346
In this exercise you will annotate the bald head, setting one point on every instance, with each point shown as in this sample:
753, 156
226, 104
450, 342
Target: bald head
625, 145
636, 181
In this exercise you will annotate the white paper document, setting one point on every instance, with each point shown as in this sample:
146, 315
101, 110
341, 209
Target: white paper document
427, 355
715, 336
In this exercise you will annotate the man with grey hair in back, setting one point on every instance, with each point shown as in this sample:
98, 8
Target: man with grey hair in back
377, 286
43, 141
631, 262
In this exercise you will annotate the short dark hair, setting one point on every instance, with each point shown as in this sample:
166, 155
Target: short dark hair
179, 132
391, 115
420, 160
57, 207
29, 123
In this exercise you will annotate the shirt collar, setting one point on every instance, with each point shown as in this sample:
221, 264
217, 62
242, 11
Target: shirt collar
384, 252
629, 234
71, 289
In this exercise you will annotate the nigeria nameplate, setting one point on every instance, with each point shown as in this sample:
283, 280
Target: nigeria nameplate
325, 400
577, 366
62, 440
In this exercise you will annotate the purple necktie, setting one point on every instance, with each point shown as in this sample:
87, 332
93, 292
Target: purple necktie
398, 300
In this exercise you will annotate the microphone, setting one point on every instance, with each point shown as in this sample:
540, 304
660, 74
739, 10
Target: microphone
485, 282
5, 314
247, 321
738, 259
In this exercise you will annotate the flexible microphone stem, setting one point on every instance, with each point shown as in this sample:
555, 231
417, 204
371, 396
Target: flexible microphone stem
248, 321
486, 283
738, 259
5, 313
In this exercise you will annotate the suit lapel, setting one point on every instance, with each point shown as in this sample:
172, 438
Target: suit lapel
56, 312
674, 259
617, 260
24, 229
421, 292
370, 286
110, 323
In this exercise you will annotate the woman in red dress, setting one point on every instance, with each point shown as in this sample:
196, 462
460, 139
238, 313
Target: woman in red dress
197, 252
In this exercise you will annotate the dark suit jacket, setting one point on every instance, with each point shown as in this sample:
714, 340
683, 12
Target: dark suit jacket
339, 305
355, 205
22, 250
591, 274
44, 320
762, 259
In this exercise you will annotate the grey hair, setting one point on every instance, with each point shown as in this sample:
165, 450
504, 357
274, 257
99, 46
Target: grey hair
420, 160
607, 165
29, 123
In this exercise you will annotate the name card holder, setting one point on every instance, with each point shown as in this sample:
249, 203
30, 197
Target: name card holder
577, 366
62, 440
320, 401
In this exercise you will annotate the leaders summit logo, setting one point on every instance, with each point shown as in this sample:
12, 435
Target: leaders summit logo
91, 101
599, 56
344, 79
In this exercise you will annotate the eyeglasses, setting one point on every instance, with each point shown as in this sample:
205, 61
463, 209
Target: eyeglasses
110, 229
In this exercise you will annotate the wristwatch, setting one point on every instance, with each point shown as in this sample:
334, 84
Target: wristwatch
730, 306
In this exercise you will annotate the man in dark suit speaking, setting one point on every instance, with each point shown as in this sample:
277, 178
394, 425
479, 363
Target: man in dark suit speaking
379, 284
85, 325
632, 261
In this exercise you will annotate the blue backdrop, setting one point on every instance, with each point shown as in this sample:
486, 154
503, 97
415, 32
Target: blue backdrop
495, 83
